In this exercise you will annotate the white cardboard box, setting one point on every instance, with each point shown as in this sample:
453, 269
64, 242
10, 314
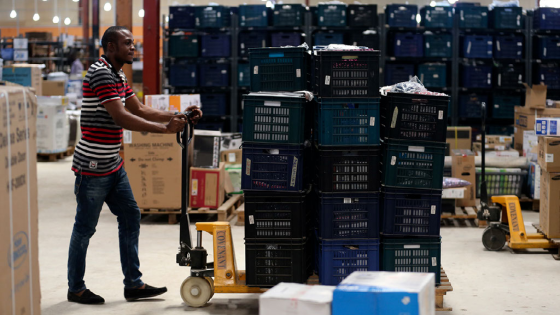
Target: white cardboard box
296, 299
530, 145
52, 124
173, 103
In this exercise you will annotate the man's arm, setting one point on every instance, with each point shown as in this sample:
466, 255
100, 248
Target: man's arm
134, 105
135, 123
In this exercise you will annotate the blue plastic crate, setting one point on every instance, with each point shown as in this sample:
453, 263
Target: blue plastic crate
433, 74
549, 74
7, 54
324, 39
476, 76
396, 73
546, 19
183, 75
348, 215
278, 167
288, 15
181, 17
251, 15
401, 15
213, 104
438, 45
214, 75
251, 40
477, 46
285, 39
469, 105
244, 74
331, 15
472, 17
506, 17
337, 259
411, 212
509, 75
278, 69
215, 45
367, 39
509, 47
408, 45
212, 16
548, 47
436, 17
503, 105
182, 45
352, 121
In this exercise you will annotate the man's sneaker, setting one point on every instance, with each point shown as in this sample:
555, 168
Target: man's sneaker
147, 292
87, 297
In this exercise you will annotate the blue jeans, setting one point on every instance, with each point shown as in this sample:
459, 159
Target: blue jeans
91, 192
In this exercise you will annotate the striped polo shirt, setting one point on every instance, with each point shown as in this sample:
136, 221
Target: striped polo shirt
97, 152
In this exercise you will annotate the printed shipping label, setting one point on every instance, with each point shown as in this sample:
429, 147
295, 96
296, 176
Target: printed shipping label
549, 158
127, 136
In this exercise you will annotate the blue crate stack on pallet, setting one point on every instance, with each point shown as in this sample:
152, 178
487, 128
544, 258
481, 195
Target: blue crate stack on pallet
546, 25
277, 124
413, 131
346, 161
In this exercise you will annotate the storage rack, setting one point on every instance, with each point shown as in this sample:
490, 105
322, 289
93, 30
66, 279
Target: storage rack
555, 93
56, 46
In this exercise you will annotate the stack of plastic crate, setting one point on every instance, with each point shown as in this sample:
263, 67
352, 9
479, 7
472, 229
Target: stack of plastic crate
413, 131
346, 162
275, 178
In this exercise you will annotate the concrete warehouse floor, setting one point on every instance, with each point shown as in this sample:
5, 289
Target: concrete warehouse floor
484, 282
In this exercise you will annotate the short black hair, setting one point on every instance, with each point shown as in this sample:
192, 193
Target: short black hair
110, 35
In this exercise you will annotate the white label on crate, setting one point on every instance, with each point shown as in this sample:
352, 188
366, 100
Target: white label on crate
413, 17
263, 44
544, 17
327, 80
242, 45
256, 70
521, 44
347, 200
298, 73
224, 71
433, 209
449, 14
193, 74
483, 14
411, 246
435, 77
489, 42
498, 45
499, 79
427, 45
462, 15
392, 15
398, 42
194, 190
413, 148
469, 48
264, 13
372, 121
496, 105
251, 219
272, 103
219, 14
352, 12
197, 21
274, 151
448, 44
195, 40
294, 173
321, 19
544, 51
127, 136
231, 157
438, 8
549, 158
434, 261
395, 116
542, 77
355, 43
440, 115
248, 167
393, 160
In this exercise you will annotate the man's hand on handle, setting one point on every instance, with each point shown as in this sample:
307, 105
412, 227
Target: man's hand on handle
176, 124
196, 113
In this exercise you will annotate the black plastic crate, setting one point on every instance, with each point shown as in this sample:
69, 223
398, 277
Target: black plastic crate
277, 215
549, 74
509, 47
411, 212
327, 38
408, 45
181, 17
433, 74
251, 15
414, 117
436, 17
506, 18
469, 105
183, 74
271, 261
279, 69
251, 40
212, 16
331, 14
362, 15
213, 104
183, 45
547, 47
368, 39
214, 74
401, 15
412, 255
477, 46
438, 45
476, 76
288, 15
509, 75
503, 104
396, 73
347, 169
472, 17
215, 45
346, 73
546, 19
285, 39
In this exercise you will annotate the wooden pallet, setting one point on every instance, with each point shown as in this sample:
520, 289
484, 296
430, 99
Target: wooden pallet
53, 157
463, 216
240, 215
172, 214
441, 291
554, 240
529, 204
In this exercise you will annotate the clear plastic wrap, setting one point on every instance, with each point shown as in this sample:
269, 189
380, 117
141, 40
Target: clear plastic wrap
412, 86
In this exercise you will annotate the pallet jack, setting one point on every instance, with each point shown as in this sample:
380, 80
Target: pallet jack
207, 278
504, 216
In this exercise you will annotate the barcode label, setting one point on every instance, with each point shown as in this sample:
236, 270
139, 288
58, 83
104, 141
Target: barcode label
127, 136
393, 160
251, 219
411, 246
416, 149
298, 73
549, 158
433, 209
372, 121
347, 200
434, 261
327, 80
256, 70
440, 115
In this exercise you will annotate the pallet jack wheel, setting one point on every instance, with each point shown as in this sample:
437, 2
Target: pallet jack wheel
494, 238
196, 291
211, 281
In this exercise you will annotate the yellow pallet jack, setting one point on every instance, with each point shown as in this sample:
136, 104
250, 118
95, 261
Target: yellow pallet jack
504, 215
207, 278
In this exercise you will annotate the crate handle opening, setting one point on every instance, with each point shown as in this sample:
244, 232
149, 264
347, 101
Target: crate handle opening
465, 174
276, 55
271, 151
557, 177
554, 143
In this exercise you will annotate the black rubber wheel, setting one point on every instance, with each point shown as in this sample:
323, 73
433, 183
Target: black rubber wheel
494, 238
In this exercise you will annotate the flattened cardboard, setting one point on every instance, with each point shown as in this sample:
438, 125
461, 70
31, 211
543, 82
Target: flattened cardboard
54, 88
549, 154
463, 167
535, 97
549, 214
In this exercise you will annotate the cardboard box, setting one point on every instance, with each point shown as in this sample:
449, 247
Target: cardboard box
231, 156
297, 299
535, 97
207, 187
173, 103
549, 154
463, 167
459, 138
496, 139
534, 181
19, 265
153, 163
364, 292
549, 214
525, 117
53, 128
24, 74
210, 143
54, 88
530, 145
477, 146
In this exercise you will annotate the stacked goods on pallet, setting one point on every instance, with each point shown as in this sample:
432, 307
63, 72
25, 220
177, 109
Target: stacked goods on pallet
347, 157
413, 132
275, 167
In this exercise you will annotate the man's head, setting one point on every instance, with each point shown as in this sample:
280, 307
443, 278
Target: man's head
117, 42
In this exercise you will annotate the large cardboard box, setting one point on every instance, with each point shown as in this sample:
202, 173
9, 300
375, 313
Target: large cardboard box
233, 156
153, 163
20, 291
463, 167
459, 138
173, 103
53, 127
535, 96
549, 154
549, 214
530, 145
525, 116
207, 187
54, 88
26, 75
297, 299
